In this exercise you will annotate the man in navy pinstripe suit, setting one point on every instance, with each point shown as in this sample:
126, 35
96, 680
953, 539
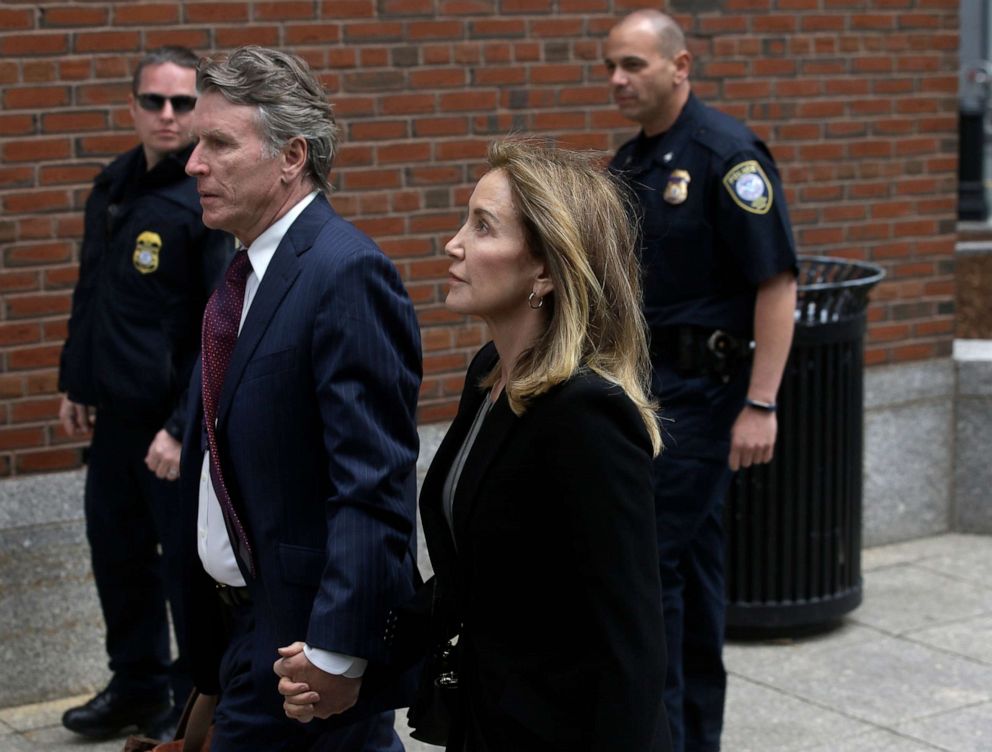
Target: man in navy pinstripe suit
299, 471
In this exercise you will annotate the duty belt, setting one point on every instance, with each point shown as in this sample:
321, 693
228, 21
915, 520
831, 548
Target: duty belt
699, 351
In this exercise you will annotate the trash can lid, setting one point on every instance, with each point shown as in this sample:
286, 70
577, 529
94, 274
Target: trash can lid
833, 289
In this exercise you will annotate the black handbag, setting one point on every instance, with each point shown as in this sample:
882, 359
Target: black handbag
422, 627
436, 705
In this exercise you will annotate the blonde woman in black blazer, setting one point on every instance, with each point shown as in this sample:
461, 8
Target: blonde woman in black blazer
538, 508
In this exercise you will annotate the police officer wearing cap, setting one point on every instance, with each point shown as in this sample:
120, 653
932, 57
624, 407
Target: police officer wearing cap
147, 265
719, 271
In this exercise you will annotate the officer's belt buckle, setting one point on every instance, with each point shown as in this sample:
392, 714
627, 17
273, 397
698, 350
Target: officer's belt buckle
724, 345
720, 343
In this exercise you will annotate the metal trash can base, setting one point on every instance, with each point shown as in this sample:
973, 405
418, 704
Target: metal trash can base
759, 621
793, 526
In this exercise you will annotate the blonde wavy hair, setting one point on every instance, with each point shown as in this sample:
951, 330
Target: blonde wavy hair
576, 219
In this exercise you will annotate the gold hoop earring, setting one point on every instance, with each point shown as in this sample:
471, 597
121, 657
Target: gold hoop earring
530, 301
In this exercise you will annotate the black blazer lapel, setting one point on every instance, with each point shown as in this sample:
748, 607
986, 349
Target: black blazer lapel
436, 530
497, 427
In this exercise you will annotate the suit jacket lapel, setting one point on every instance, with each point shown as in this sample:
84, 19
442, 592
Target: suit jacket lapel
436, 530
439, 540
280, 275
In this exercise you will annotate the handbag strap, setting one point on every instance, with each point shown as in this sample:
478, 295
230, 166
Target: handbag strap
197, 719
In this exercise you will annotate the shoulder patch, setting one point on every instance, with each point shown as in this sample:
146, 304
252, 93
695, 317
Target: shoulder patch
749, 187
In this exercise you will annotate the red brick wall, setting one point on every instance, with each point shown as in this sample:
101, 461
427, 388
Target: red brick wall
857, 99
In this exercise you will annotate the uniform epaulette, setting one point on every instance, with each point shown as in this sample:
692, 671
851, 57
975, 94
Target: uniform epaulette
724, 143
724, 135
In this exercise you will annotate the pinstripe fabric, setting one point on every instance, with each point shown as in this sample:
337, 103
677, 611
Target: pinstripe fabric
317, 440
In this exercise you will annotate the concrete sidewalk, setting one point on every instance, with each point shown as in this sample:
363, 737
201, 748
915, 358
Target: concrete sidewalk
908, 671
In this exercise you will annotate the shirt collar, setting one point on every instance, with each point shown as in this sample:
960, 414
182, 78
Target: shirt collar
664, 148
260, 252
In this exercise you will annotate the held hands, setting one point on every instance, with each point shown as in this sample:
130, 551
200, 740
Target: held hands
310, 692
76, 419
163, 456
752, 438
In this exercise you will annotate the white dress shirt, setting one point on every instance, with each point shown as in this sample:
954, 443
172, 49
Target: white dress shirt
213, 542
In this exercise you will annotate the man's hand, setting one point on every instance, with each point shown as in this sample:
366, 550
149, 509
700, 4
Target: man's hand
76, 419
310, 692
163, 456
752, 439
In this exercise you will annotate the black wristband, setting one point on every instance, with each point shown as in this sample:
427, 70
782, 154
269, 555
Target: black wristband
768, 407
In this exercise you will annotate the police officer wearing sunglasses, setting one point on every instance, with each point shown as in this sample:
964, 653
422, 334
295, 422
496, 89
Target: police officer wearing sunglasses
147, 265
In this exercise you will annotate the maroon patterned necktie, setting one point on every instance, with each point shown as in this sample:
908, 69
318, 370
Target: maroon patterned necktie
221, 321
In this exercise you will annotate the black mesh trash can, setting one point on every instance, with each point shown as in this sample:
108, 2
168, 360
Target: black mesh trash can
793, 526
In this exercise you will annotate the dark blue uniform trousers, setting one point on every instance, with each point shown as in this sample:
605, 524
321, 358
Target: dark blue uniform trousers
691, 481
244, 722
689, 505
129, 514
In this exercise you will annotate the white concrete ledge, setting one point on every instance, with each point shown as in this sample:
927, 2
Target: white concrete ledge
972, 510
972, 349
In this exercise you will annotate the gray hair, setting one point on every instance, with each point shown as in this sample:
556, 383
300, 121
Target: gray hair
289, 100
181, 56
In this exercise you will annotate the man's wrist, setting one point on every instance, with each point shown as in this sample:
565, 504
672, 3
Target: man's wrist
337, 664
174, 429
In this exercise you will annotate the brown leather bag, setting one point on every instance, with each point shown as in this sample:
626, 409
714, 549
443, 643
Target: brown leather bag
192, 733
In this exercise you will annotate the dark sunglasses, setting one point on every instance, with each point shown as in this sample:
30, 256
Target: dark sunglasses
155, 102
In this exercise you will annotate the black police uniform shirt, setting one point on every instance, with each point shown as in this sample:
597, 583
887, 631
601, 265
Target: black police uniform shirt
714, 225
147, 266
714, 220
